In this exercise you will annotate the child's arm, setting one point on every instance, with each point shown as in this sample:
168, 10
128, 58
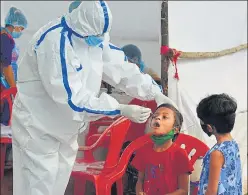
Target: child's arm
139, 184
216, 162
183, 185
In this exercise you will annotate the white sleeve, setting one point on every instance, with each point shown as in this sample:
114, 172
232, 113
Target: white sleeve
127, 77
58, 68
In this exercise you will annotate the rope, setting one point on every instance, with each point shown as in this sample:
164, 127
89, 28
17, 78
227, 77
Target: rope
174, 54
197, 55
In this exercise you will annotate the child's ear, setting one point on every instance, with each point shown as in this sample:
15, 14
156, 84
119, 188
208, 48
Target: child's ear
176, 130
210, 128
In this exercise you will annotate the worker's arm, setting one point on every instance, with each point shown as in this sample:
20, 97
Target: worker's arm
127, 77
62, 76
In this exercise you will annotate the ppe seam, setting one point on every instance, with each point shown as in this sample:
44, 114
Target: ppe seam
106, 16
67, 87
43, 36
64, 69
119, 49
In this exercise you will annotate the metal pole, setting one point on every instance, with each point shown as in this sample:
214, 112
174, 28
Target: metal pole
164, 41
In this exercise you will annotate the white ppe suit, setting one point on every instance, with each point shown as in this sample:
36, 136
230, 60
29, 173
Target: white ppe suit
59, 80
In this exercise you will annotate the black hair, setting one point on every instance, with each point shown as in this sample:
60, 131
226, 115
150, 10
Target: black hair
218, 110
178, 117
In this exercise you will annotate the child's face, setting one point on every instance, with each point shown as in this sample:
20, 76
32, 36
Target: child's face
162, 121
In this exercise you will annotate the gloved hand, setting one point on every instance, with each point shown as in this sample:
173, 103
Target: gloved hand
162, 99
135, 113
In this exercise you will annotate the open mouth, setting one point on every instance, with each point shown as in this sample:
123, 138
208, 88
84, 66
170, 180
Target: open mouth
156, 124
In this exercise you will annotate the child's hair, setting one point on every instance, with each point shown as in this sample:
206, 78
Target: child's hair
178, 117
218, 110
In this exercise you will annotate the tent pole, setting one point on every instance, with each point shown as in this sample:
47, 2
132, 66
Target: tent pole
164, 42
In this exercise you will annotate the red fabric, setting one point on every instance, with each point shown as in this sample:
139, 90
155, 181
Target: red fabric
164, 50
162, 168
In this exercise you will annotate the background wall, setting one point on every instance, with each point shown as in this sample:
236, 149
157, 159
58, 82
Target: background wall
133, 22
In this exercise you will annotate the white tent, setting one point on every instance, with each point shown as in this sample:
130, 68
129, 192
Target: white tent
209, 27
193, 27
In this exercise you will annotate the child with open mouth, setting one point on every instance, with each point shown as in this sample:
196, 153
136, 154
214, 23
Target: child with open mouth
164, 168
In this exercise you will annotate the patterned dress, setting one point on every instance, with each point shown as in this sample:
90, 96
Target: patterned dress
230, 182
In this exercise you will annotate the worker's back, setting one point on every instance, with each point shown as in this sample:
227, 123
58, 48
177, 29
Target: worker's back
33, 97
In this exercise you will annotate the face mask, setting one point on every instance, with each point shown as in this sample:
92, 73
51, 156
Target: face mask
142, 66
16, 35
160, 140
93, 41
205, 129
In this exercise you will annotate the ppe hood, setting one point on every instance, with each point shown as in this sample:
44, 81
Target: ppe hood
90, 18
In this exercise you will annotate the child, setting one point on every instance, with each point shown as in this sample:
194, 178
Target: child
163, 166
221, 172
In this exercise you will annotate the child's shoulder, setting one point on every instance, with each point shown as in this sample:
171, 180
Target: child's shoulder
227, 145
178, 150
5, 37
228, 149
179, 154
145, 148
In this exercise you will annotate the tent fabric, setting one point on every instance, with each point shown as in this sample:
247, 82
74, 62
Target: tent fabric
201, 77
187, 105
